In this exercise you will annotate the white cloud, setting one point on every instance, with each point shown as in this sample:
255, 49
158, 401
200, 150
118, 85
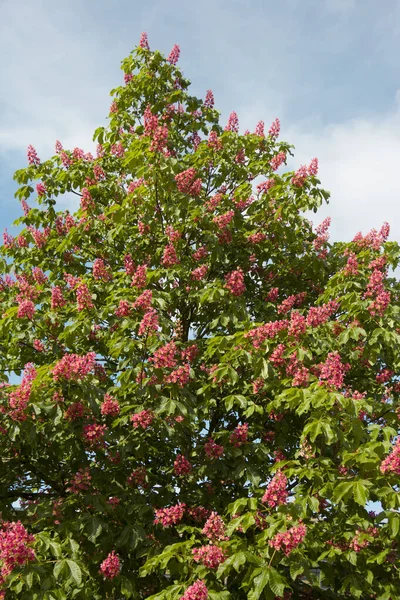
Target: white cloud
359, 166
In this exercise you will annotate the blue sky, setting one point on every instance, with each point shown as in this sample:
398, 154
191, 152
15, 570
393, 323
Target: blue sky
329, 69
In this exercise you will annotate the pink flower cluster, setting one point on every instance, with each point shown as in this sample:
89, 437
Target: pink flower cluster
33, 158
100, 270
210, 556
209, 99
173, 56
180, 376
19, 398
14, 547
235, 282
83, 297
212, 449
74, 367
376, 290
197, 591
139, 277
332, 371
110, 406
26, 309
374, 239
144, 301
123, 309
111, 566
57, 298
199, 273
391, 463
93, 434
144, 41
233, 123
276, 492
277, 160
262, 188
81, 481
317, 315
169, 257
322, 234
214, 141
289, 540
138, 477
222, 221
214, 528
182, 466
188, 182
149, 323
143, 419
275, 128
169, 516
238, 437
259, 129
266, 331
164, 357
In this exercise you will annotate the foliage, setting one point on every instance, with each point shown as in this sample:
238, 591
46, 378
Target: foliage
208, 395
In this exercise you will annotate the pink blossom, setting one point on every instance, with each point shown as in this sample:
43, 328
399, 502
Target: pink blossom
233, 123
276, 492
197, 591
149, 323
110, 406
235, 282
332, 371
214, 141
143, 419
200, 253
14, 547
238, 437
278, 160
26, 309
74, 367
214, 528
83, 297
300, 176
124, 309
209, 100
260, 129
81, 481
289, 540
164, 357
111, 566
144, 301
313, 167
138, 477
139, 277
41, 189
180, 376
199, 273
317, 315
144, 41
38, 345
264, 186
210, 556
222, 221
170, 516
169, 257
100, 271
275, 129
188, 183
391, 464
212, 449
33, 158
267, 331
93, 434
182, 466
57, 298
173, 56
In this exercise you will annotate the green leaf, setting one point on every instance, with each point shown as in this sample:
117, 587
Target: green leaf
259, 584
360, 493
75, 571
277, 583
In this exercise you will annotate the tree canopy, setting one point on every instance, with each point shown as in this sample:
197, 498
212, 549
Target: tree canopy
208, 391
